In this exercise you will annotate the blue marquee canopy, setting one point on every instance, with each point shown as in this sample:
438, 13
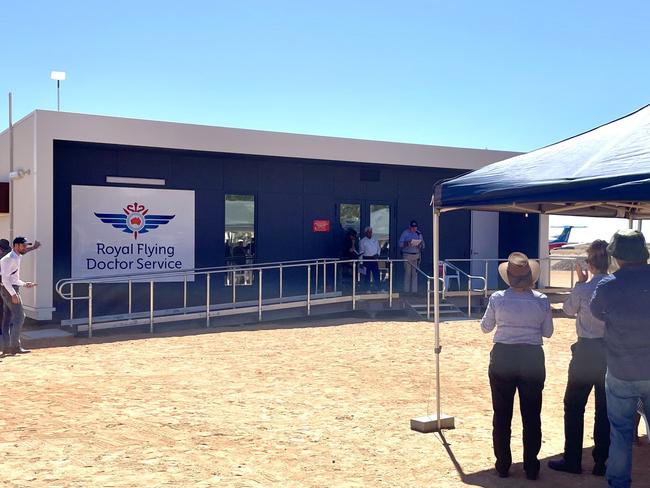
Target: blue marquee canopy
603, 172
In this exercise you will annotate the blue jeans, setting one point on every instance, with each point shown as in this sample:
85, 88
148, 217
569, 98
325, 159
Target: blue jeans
622, 399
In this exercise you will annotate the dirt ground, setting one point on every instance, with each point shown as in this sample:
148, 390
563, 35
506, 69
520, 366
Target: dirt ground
562, 279
314, 404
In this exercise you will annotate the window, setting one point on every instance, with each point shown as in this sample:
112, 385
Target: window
350, 216
380, 223
239, 235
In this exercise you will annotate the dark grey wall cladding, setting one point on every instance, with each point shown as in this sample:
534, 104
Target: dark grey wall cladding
290, 193
518, 232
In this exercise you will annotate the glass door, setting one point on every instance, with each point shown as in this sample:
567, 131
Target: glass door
379, 218
350, 217
239, 236
380, 221
355, 217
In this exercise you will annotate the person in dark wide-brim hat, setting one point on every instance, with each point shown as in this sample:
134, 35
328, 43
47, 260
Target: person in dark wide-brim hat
622, 301
522, 317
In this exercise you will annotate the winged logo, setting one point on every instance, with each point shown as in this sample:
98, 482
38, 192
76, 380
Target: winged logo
135, 220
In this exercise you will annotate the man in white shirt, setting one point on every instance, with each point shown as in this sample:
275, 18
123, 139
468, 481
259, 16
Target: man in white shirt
5, 248
14, 315
369, 249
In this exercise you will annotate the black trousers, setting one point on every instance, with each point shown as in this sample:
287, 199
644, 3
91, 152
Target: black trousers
372, 268
586, 371
517, 367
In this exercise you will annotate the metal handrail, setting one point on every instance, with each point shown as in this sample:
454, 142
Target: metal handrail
428, 278
261, 269
447, 264
549, 259
443, 289
158, 275
72, 296
470, 279
483, 289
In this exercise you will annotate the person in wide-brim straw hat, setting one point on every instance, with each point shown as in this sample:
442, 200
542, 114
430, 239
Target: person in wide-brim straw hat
519, 272
522, 317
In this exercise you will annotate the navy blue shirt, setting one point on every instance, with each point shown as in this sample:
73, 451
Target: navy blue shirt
622, 301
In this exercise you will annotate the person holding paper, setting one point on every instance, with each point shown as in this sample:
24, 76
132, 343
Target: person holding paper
411, 242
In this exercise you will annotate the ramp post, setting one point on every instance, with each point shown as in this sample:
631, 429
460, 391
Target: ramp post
151, 307
207, 300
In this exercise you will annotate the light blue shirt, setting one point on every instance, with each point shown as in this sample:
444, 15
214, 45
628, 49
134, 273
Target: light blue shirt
577, 304
521, 317
406, 236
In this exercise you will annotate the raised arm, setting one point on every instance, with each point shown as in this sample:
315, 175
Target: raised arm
489, 321
34, 247
547, 325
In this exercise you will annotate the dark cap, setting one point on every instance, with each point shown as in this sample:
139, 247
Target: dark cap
4, 245
20, 240
414, 223
629, 245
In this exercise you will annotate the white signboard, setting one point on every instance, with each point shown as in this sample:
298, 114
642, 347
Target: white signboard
122, 231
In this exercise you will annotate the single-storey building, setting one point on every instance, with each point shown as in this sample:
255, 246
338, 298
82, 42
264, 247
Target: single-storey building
109, 195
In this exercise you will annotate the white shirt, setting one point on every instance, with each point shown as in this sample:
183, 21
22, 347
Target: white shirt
10, 269
368, 246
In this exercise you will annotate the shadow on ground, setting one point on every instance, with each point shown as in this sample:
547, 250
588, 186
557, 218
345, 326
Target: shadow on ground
197, 327
549, 478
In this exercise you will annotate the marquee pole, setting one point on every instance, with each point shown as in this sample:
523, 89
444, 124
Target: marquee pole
436, 307
437, 422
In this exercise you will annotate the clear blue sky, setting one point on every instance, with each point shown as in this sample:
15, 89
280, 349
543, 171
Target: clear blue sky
499, 74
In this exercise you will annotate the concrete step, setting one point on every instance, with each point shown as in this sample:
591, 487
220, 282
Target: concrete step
447, 311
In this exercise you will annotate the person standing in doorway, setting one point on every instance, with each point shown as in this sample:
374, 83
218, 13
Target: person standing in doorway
622, 301
411, 242
349, 253
369, 249
14, 315
239, 254
586, 370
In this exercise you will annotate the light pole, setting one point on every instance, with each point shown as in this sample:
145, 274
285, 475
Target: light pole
58, 76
